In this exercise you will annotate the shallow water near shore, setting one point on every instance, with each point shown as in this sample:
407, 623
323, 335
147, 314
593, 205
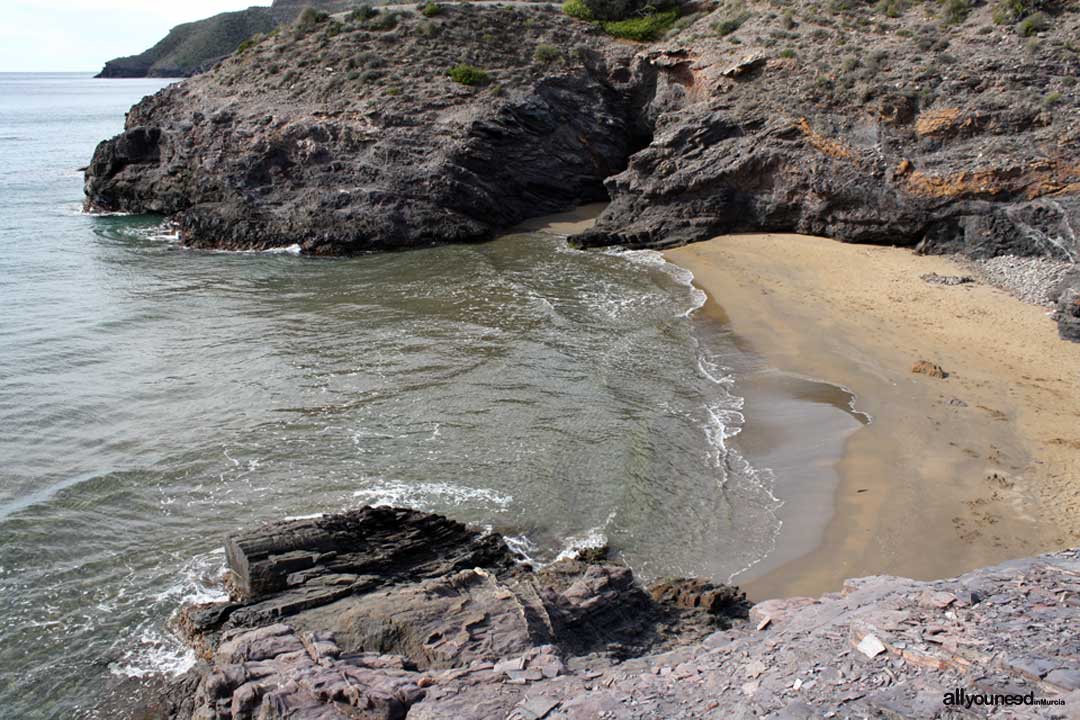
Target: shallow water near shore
156, 398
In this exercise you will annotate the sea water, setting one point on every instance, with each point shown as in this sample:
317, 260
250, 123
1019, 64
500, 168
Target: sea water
154, 398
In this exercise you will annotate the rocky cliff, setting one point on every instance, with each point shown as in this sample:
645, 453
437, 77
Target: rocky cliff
948, 130
195, 47
383, 613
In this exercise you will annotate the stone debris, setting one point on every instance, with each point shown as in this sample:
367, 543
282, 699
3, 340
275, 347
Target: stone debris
925, 367
1032, 279
884, 647
935, 279
870, 646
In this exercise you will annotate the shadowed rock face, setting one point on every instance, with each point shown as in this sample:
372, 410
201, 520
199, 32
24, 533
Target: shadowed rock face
374, 147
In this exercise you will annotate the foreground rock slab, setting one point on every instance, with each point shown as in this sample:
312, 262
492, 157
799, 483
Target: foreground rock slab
581, 639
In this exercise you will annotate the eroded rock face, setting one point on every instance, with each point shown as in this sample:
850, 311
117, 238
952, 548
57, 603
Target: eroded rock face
347, 138
579, 639
842, 127
362, 614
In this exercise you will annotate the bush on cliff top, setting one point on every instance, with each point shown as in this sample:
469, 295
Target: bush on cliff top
649, 23
642, 29
468, 75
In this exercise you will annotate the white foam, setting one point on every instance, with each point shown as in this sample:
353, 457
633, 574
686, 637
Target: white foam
593, 538
425, 495
656, 259
523, 547
155, 651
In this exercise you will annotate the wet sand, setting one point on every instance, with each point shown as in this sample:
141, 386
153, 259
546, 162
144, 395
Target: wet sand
952, 473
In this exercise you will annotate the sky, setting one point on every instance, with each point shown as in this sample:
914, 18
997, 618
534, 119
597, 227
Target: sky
80, 35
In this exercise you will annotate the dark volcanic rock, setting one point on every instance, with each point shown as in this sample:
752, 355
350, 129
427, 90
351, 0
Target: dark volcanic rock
347, 156
345, 137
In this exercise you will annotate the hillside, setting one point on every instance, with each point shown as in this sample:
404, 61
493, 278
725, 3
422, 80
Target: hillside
194, 47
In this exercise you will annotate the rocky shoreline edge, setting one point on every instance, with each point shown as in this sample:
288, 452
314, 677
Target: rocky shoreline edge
390, 613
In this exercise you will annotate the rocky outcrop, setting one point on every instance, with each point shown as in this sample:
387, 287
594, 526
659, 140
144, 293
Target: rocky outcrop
376, 614
368, 611
840, 126
374, 146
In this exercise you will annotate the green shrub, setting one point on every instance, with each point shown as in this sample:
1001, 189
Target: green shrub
363, 12
731, 24
1052, 99
642, 29
310, 17
787, 53
577, 9
955, 12
1033, 24
614, 10
547, 54
431, 9
248, 44
468, 75
1007, 12
892, 8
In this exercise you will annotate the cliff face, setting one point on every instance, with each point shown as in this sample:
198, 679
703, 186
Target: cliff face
196, 46
347, 138
384, 614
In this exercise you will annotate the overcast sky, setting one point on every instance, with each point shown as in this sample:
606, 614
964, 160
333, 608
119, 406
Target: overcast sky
46, 35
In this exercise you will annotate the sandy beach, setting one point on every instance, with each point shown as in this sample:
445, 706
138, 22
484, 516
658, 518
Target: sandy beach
953, 473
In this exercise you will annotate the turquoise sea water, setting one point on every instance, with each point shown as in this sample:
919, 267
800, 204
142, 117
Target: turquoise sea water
153, 399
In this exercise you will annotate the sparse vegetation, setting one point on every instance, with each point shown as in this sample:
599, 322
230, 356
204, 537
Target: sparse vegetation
650, 25
955, 12
731, 24
1033, 24
547, 54
1052, 99
363, 12
468, 75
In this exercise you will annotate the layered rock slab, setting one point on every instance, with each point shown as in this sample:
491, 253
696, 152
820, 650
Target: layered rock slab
364, 612
581, 639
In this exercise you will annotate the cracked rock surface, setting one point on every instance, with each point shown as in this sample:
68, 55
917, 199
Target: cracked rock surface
581, 639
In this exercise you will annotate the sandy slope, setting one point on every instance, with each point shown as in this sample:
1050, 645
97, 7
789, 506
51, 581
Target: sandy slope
954, 473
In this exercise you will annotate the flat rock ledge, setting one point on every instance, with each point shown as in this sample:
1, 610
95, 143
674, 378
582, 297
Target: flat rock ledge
384, 613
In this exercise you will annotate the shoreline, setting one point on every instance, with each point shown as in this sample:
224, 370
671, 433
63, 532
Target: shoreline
954, 473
